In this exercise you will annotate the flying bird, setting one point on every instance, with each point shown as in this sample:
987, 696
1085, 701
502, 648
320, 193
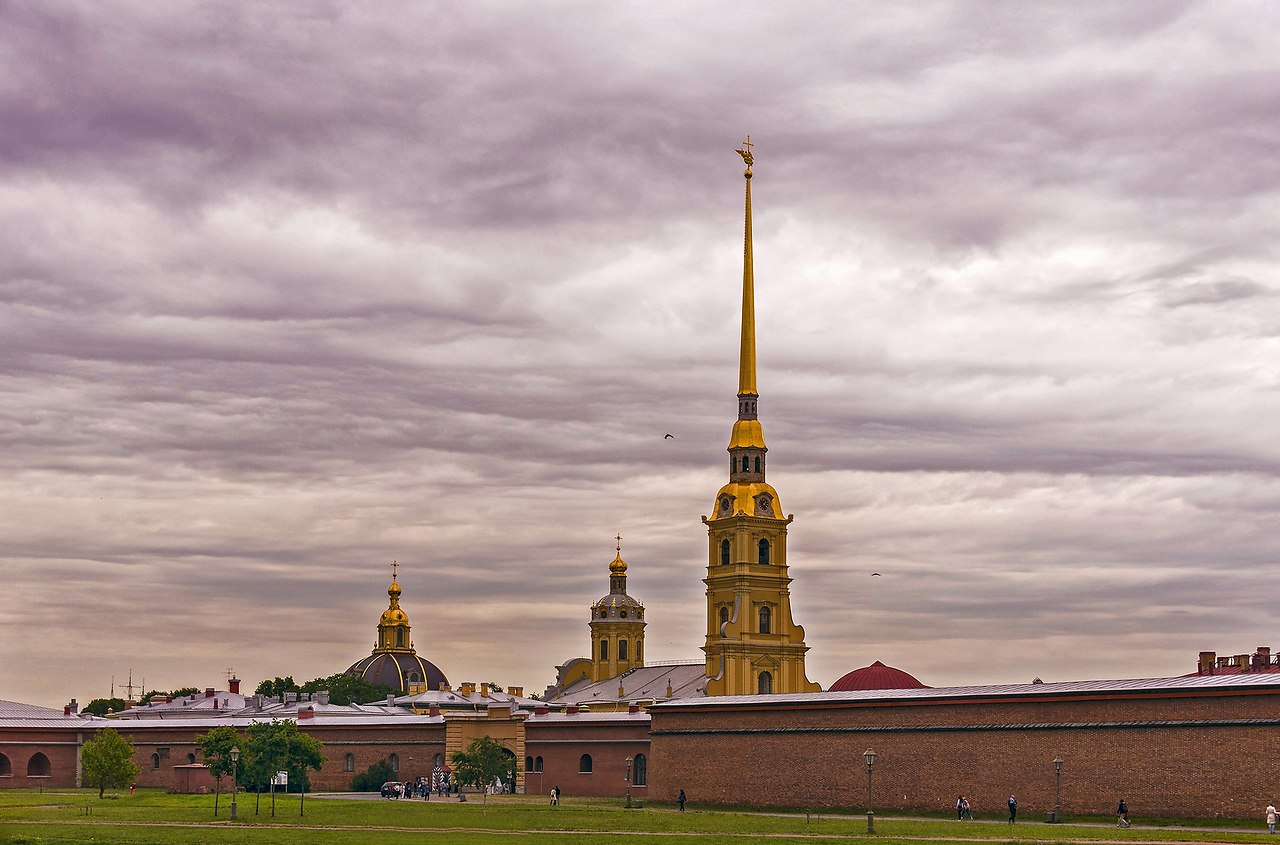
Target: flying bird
875, 575
669, 437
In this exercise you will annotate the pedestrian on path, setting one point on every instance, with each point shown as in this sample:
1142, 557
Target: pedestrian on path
682, 799
1013, 809
1271, 818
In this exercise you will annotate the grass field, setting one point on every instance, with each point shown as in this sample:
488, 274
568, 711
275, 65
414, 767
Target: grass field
152, 816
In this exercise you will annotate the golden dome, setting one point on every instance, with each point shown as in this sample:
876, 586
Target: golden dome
752, 498
619, 566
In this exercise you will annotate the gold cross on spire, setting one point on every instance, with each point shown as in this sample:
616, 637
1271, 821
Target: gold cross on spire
619, 539
394, 566
745, 152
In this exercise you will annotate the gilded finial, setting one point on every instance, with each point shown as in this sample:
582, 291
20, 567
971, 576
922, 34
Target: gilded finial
619, 539
394, 566
745, 152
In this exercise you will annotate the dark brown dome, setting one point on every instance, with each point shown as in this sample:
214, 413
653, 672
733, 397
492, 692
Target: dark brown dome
876, 676
398, 670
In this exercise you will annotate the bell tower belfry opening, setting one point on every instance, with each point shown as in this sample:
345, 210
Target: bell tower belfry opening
752, 645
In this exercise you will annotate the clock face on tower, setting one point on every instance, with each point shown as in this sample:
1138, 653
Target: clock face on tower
726, 503
764, 506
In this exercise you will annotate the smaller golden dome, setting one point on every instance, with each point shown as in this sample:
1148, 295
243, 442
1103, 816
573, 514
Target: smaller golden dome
619, 566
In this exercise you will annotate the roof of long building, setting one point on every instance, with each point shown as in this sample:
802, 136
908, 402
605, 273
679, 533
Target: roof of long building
1059, 689
644, 683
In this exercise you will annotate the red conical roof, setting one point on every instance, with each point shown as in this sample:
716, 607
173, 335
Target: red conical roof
876, 676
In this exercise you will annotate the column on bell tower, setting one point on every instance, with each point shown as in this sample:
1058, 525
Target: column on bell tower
617, 626
752, 644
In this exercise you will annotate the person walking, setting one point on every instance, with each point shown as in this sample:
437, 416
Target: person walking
966, 810
555, 796
681, 799
1013, 809
959, 807
1123, 812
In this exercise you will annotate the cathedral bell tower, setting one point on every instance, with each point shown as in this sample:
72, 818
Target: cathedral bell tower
617, 626
752, 645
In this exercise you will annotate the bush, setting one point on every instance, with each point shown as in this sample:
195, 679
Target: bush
372, 778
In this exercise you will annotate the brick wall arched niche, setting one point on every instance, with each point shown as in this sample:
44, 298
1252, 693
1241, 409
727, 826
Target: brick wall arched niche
39, 766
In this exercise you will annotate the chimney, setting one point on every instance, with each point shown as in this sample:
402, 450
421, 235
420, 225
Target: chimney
633, 708
518, 692
484, 690
75, 707
290, 697
208, 692
66, 710
233, 686
467, 689
391, 699
215, 704
433, 710
1264, 660
168, 699
622, 693
670, 691
306, 713
321, 697
541, 710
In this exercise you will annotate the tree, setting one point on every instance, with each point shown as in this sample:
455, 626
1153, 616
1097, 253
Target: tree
372, 778
180, 692
107, 761
277, 687
349, 689
484, 761
100, 706
215, 748
278, 745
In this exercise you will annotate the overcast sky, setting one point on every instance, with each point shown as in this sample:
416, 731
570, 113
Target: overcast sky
291, 290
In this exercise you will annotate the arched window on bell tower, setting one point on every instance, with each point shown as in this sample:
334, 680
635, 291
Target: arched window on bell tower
724, 552
604, 649
766, 620
764, 684
765, 556
724, 618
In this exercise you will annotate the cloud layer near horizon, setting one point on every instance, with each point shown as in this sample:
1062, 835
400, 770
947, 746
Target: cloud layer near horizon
292, 290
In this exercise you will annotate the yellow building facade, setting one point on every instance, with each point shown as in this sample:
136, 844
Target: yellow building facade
752, 645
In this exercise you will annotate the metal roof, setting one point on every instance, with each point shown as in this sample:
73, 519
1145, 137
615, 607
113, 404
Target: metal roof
561, 718
15, 714
1060, 689
646, 682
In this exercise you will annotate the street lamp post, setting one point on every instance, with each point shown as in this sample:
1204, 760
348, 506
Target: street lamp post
235, 778
1057, 789
629, 762
870, 757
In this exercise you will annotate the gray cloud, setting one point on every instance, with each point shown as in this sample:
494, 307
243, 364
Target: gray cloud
290, 291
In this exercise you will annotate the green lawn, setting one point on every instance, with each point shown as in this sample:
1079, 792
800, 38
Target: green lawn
152, 816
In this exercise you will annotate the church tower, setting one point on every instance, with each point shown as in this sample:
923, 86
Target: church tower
617, 626
752, 645
394, 661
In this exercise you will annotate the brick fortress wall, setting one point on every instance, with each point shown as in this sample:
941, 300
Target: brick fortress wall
1202, 755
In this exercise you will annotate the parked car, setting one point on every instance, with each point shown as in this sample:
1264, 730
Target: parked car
392, 789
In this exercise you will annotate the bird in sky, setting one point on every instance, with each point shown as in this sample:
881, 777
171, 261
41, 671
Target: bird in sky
669, 437
875, 575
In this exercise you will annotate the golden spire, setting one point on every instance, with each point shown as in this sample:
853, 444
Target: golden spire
747, 359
